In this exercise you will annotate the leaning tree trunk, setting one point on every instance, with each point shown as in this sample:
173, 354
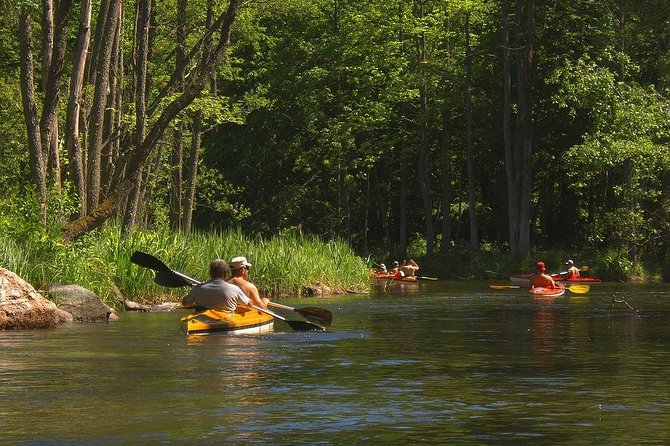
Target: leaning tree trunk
121, 185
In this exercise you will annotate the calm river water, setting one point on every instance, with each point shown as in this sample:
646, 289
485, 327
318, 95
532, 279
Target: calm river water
438, 363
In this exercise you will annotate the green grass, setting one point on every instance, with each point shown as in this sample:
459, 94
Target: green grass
281, 266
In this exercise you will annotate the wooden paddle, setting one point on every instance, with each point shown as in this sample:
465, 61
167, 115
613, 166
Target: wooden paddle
174, 279
577, 289
581, 270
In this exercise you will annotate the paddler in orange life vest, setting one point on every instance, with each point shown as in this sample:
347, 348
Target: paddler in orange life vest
540, 279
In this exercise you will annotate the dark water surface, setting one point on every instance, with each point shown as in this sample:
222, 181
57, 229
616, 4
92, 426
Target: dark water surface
439, 363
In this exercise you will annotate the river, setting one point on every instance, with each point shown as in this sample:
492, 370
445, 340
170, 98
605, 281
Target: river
439, 363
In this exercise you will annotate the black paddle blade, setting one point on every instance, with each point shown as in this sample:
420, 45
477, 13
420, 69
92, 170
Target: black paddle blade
170, 279
320, 316
148, 261
303, 325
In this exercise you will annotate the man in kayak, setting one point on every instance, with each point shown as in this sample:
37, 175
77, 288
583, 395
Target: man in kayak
216, 293
408, 268
540, 278
573, 271
239, 267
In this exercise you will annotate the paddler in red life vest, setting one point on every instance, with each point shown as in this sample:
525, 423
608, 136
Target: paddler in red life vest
540, 279
395, 270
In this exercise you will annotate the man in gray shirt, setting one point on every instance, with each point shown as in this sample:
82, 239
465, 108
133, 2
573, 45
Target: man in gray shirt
216, 293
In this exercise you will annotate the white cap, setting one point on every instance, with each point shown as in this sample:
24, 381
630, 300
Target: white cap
239, 262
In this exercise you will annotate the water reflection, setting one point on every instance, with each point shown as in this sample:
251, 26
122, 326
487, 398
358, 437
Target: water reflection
445, 363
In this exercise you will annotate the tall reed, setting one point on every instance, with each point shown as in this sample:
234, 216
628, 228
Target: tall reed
281, 265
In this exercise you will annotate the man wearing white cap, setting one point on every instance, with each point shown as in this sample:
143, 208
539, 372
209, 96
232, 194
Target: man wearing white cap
573, 271
239, 267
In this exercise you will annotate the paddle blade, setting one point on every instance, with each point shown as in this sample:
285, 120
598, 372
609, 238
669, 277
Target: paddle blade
148, 261
579, 289
320, 316
584, 268
170, 279
426, 278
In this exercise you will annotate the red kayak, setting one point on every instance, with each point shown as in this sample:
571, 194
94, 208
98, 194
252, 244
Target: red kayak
523, 279
541, 291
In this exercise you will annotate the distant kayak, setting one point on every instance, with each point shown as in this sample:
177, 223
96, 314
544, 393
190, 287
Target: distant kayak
393, 277
548, 292
524, 279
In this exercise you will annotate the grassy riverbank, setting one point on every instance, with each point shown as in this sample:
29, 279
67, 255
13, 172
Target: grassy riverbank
281, 266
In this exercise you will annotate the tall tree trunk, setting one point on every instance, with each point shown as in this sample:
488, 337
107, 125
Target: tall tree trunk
176, 175
511, 170
382, 206
141, 53
472, 183
56, 59
423, 168
196, 136
445, 146
402, 198
102, 76
72, 141
445, 151
526, 124
177, 155
37, 161
111, 125
192, 174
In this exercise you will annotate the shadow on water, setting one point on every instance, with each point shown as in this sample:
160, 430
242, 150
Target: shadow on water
437, 363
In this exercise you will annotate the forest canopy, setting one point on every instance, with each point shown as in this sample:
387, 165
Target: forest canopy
389, 124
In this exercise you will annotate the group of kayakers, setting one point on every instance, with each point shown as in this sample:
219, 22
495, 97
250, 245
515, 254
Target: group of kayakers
541, 279
408, 268
223, 294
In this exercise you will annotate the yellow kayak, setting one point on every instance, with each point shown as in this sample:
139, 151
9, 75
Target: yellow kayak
243, 320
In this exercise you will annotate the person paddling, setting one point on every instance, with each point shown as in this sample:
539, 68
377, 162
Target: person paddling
540, 278
216, 293
409, 268
239, 267
573, 271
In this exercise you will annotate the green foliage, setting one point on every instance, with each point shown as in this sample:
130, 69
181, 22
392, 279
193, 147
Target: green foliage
100, 261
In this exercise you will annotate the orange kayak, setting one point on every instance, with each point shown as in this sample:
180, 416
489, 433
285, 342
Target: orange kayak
540, 291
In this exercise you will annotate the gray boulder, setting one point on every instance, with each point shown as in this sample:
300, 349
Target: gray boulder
84, 305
